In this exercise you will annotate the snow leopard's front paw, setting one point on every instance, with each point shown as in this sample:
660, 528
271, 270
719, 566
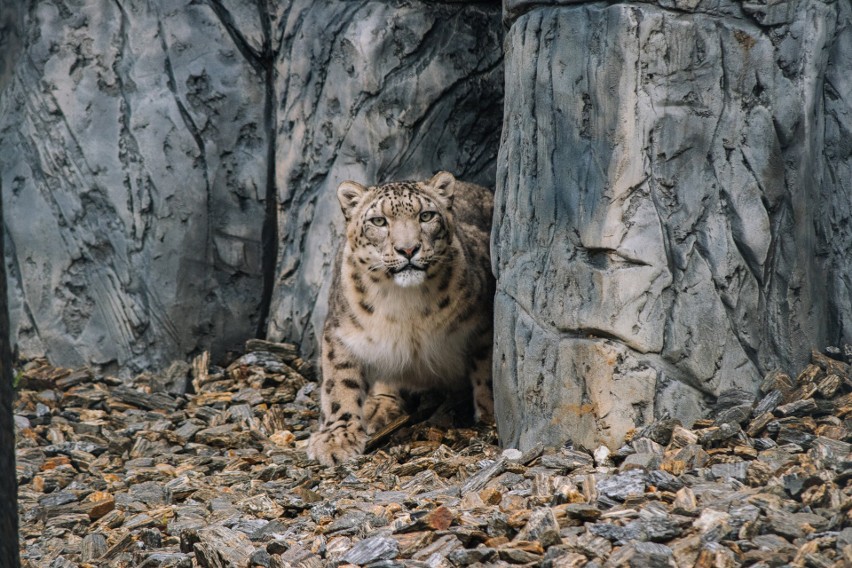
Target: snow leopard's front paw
337, 442
382, 409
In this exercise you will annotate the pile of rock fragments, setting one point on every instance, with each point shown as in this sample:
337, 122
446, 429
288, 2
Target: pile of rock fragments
202, 466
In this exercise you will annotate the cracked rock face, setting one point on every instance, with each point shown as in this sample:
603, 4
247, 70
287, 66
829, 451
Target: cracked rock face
673, 213
372, 92
134, 193
152, 156
669, 220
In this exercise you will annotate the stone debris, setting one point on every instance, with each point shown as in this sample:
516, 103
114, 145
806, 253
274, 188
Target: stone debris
206, 466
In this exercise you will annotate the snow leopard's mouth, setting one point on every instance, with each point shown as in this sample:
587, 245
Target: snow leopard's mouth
407, 268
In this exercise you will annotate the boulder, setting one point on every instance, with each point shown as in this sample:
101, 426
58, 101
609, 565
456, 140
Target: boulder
139, 138
669, 209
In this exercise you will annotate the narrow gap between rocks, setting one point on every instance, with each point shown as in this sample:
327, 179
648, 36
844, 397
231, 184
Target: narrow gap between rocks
269, 232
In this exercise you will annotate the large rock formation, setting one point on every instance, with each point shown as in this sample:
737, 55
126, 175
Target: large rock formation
673, 213
673, 195
134, 141
144, 148
373, 92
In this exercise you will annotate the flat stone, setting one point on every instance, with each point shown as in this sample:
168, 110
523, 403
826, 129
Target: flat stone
644, 554
92, 547
646, 461
542, 527
150, 492
443, 546
796, 525
468, 556
372, 549
732, 470
797, 408
167, 560
220, 546
713, 525
623, 485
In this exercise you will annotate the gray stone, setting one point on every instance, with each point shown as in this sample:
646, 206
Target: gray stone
167, 560
566, 460
512, 455
664, 481
619, 535
796, 525
642, 460
643, 555
713, 525
371, 550
92, 546
166, 164
467, 556
478, 480
659, 525
542, 526
137, 140
844, 537
373, 92
175, 379
149, 492
623, 485
733, 398
768, 402
669, 213
220, 546
735, 470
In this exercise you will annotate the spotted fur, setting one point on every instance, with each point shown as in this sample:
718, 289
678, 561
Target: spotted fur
410, 306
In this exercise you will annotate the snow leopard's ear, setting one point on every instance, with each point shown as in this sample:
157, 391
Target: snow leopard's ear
349, 193
444, 184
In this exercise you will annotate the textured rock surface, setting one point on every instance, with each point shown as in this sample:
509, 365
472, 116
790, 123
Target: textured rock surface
833, 227
373, 91
10, 38
8, 483
135, 188
673, 195
674, 212
139, 144
111, 477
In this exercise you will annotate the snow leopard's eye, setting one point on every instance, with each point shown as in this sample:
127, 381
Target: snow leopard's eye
378, 221
427, 216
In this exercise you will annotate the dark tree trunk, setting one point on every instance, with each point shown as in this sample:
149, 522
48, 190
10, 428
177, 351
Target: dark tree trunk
8, 480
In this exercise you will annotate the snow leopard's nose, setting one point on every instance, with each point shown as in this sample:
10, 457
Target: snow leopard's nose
408, 252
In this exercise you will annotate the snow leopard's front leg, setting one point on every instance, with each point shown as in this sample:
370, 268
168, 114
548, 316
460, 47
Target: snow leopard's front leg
480, 378
383, 406
344, 391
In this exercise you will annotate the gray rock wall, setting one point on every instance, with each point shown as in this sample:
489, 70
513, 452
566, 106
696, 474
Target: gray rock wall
672, 198
165, 164
673, 213
372, 91
134, 151
834, 222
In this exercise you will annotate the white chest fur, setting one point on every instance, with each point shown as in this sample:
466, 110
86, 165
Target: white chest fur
405, 342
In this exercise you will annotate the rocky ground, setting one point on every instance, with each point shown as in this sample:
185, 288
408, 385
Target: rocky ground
203, 466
